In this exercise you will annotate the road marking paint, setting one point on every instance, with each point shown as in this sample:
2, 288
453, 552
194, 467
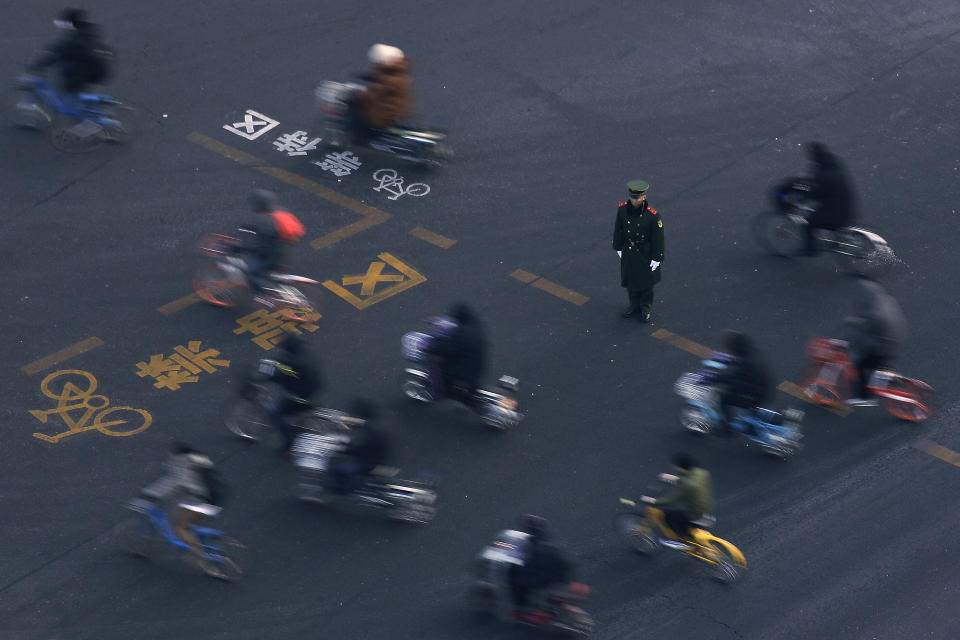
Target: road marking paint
372, 215
792, 389
523, 276
550, 287
433, 238
73, 390
64, 354
351, 229
682, 343
179, 304
406, 277
938, 451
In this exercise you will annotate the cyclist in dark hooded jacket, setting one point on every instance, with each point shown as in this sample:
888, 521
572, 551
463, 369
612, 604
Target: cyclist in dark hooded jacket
833, 190
745, 382
544, 564
79, 55
877, 331
300, 380
462, 353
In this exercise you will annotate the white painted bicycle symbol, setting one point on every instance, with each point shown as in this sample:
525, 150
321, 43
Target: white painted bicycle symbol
393, 183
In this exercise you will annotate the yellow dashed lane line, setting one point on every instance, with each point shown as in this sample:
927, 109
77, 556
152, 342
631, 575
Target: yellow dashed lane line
64, 354
938, 451
550, 287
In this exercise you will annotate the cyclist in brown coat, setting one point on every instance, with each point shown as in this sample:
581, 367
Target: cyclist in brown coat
389, 97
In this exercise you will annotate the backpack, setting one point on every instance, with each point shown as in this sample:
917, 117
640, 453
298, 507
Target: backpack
217, 490
289, 228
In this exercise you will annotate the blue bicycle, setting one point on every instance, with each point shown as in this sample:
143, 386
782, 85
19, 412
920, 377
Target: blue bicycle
778, 434
151, 528
91, 116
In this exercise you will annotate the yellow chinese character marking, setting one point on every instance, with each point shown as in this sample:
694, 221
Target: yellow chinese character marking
270, 328
73, 391
405, 278
181, 367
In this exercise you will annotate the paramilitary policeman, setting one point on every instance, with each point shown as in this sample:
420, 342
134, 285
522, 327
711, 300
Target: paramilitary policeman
638, 241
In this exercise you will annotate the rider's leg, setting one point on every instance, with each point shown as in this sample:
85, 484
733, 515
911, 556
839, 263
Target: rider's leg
866, 364
182, 519
678, 522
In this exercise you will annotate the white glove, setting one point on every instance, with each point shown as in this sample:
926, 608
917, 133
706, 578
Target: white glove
653, 265
619, 254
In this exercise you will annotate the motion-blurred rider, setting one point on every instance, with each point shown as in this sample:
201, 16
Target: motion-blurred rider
79, 56
461, 353
744, 382
300, 380
691, 498
877, 329
367, 449
388, 96
831, 188
191, 488
263, 240
542, 566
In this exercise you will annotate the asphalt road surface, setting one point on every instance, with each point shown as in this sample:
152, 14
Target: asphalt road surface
553, 107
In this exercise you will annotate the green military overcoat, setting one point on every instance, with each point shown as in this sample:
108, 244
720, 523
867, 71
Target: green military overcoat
638, 233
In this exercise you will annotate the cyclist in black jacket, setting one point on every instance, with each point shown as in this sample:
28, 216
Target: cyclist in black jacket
745, 382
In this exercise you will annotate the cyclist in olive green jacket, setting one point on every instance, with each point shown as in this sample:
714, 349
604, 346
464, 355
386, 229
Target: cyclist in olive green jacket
690, 500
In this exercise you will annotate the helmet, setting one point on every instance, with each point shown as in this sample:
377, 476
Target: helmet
461, 312
263, 201
684, 461
737, 344
380, 54
536, 526
71, 19
179, 448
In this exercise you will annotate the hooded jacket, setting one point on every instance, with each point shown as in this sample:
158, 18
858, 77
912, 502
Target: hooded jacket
878, 325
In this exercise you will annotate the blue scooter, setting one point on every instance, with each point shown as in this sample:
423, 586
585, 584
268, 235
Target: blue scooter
778, 434
94, 114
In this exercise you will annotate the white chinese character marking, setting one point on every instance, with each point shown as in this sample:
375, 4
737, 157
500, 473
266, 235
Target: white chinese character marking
340, 164
392, 183
295, 144
253, 125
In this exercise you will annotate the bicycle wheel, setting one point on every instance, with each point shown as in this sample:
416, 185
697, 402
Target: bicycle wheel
416, 387
695, 419
782, 235
135, 536
131, 421
28, 114
249, 419
913, 401
638, 533
298, 304
215, 286
818, 391
724, 567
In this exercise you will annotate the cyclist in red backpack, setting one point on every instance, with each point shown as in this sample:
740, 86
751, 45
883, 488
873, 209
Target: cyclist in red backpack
262, 241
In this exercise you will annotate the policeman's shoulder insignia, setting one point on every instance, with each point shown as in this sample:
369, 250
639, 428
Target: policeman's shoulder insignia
660, 223
622, 203
651, 210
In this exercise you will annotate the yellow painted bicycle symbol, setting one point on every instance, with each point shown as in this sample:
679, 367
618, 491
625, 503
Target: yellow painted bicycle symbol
73, 391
